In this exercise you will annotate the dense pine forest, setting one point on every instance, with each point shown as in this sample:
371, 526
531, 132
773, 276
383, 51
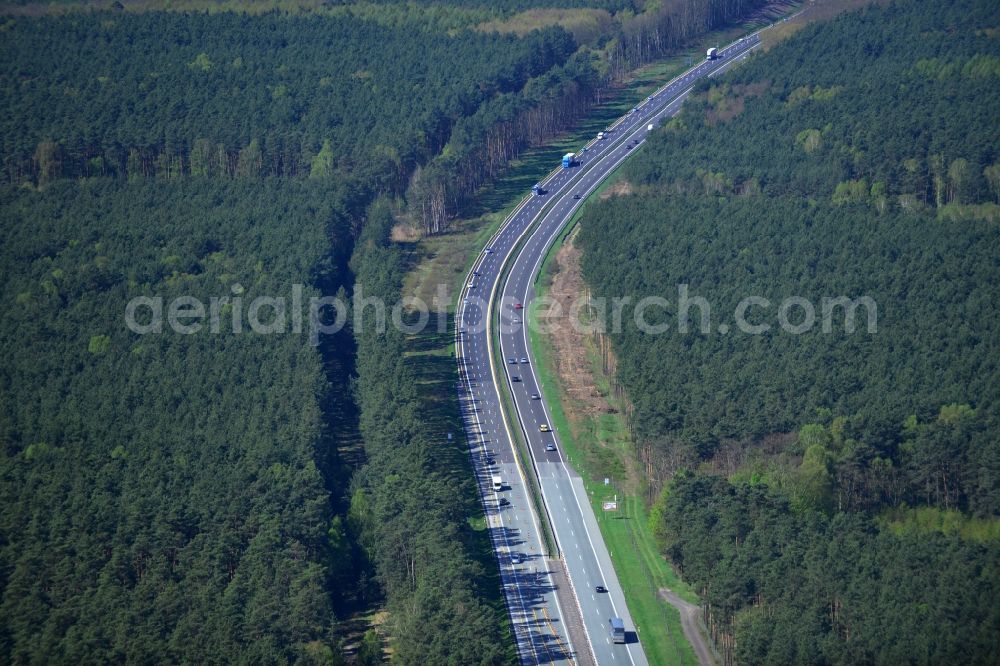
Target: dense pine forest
412, 501
166, 497
176, 497
169, 95
832, 491
225, 495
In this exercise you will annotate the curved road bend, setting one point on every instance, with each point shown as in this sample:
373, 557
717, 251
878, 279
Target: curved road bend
534, 603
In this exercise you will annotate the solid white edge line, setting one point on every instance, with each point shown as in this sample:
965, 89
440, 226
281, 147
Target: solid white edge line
502, 229
637, 129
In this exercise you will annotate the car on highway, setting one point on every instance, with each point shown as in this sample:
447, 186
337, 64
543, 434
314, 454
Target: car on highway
588, 568
491, 461
476, 273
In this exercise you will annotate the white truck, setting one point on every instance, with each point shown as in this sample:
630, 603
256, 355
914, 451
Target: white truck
497, 483
712, 53
617, 630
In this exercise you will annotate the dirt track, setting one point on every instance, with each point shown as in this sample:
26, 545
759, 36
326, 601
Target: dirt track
689, 622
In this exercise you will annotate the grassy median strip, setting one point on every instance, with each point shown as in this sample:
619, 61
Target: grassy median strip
521, 449
508, 406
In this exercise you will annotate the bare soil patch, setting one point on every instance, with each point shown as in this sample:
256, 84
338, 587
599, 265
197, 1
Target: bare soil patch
622, 188
573, 351
570, 345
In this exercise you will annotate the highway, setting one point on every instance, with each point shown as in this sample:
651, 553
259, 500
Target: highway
491, 297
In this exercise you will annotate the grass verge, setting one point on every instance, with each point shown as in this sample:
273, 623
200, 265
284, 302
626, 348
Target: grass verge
642, 571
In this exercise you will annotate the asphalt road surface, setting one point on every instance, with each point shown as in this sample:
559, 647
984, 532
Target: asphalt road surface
534, 603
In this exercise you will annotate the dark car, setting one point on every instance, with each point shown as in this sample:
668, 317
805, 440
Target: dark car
504, 501
600, 589
576, 196
515, 378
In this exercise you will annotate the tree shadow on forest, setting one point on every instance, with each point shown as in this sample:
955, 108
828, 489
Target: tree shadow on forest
448, 410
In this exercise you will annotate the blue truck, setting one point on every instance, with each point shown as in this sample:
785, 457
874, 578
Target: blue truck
569, 159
